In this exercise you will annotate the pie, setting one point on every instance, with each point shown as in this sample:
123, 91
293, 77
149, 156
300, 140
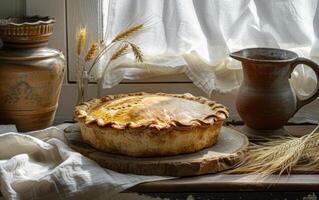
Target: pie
145, 124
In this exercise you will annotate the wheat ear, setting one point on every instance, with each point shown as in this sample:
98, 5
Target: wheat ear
128, 33
91, 52
119, 52
80, 40
137, 52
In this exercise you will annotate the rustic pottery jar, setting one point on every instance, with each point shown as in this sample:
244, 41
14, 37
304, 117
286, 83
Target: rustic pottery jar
266, 100
31, 74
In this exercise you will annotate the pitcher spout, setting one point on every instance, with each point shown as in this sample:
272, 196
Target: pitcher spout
238, 55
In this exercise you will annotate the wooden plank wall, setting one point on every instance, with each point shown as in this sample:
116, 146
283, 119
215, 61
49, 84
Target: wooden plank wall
12, 8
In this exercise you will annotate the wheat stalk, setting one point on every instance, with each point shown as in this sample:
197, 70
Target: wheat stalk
80, 40
283, 155
91, 52
128, 33
81, 36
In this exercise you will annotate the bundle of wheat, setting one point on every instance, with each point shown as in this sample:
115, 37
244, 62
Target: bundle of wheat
282, 155
97, 50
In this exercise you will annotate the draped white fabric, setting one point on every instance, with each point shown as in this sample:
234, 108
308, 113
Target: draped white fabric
39, 165
195, 37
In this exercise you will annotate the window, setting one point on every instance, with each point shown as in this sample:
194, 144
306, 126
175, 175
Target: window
71, 13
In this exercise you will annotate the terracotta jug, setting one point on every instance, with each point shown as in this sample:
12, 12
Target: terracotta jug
266, 100
31, 74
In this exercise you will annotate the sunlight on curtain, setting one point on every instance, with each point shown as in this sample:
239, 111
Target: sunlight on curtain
195, 37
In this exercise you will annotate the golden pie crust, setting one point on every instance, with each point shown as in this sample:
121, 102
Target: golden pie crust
145, 124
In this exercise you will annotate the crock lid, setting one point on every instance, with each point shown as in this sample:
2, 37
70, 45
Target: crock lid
26, 32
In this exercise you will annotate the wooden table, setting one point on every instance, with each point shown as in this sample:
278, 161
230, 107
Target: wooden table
232, 187
238, 186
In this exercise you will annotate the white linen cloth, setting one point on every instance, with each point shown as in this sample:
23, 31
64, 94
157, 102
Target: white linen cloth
196, 36
39, 165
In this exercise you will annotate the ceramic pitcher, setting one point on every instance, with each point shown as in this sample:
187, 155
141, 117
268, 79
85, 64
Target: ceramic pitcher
266, 100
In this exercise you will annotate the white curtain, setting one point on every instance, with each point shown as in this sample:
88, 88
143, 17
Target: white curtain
196, 36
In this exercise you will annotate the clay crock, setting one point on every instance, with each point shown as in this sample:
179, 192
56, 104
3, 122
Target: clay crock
266, 100
31, 73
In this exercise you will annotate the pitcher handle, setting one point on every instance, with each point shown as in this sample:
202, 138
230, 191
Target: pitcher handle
315, 67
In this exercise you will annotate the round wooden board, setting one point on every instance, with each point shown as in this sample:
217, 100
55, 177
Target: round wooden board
231, 148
